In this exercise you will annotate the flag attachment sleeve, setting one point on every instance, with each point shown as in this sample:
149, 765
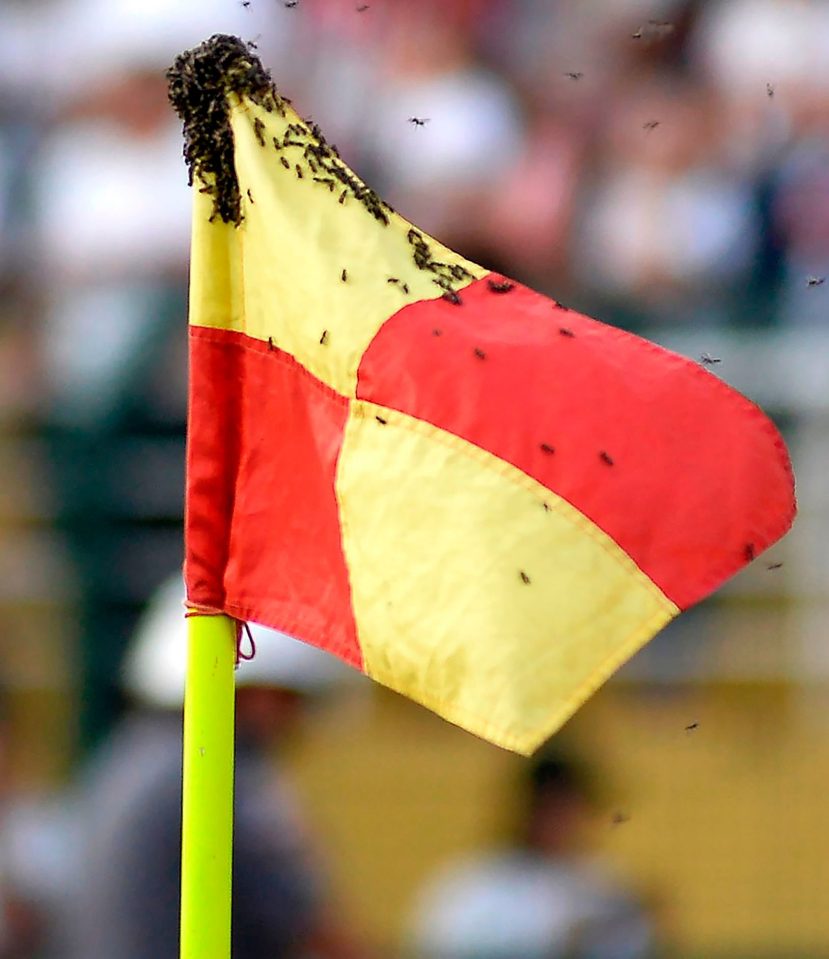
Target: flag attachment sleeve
479, 497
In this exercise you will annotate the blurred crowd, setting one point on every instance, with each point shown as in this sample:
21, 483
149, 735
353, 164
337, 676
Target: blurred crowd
650, 163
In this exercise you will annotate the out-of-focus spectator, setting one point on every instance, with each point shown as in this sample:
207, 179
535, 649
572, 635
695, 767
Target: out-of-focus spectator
668, 223
125, 892
471, 127
545, 897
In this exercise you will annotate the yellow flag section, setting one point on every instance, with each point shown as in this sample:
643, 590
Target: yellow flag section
476, 591
343, 275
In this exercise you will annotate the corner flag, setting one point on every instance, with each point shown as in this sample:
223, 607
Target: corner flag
482, 499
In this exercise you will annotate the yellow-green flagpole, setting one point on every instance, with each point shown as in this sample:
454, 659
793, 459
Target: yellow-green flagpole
207, 794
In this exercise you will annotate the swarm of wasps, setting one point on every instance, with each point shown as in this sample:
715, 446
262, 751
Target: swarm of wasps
199, 83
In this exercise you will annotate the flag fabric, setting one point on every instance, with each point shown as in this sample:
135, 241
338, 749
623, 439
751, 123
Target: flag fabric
479, 497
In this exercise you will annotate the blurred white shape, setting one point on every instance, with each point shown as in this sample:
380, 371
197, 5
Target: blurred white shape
516, 905
697, 225
748, 43
101, 38
109, 204
155, 666
473, 132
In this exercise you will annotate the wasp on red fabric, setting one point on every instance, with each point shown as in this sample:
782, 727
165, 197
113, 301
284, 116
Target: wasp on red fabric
500, 286
606, 457
546, 448
480, 353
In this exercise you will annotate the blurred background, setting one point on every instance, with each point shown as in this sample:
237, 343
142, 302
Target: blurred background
661, 165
